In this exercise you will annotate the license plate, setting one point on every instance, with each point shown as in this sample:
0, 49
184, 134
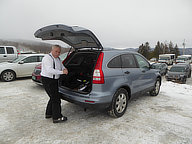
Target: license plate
33, 77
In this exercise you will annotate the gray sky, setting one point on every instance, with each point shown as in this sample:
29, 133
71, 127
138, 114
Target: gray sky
116, 23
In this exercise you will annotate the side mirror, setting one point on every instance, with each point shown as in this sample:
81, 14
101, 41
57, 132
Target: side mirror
21, 62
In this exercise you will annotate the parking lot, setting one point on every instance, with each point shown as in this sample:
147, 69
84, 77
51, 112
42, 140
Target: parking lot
165, 119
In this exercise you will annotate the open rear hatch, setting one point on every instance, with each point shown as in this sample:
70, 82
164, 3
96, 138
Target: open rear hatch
76, 37
81, 62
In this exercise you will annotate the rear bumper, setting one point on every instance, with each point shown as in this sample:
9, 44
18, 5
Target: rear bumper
174, 79
86, 105
91, 100
37, 79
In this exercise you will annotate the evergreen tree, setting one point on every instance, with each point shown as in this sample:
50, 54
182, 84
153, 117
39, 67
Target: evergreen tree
166, 49
144, 49
162, 49
141, 49
157, 50
171, 48
176, 51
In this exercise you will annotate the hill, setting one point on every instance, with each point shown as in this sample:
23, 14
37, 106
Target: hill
188, 51
26, 45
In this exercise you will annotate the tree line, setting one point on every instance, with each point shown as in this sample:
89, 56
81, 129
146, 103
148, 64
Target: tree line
160, 48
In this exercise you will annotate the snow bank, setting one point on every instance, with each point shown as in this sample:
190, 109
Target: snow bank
181, 91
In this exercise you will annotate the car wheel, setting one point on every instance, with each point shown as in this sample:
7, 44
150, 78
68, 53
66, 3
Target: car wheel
156, 89
119, 103
8, 76
184, 80
189, 75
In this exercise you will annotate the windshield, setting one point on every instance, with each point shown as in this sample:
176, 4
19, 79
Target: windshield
17, 59
63, 56
164, 58
182, 59
177, 69
155, 66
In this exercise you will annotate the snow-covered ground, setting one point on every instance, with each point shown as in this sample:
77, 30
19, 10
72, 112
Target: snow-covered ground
164, 119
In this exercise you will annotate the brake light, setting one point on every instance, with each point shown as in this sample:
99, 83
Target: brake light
18, 52
98, 76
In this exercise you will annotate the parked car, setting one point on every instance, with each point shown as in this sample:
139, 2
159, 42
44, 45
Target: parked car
97, 77
36, 76
179, 73
8, 53
22, 66
182, 59
161, 67
153, 60
188, 66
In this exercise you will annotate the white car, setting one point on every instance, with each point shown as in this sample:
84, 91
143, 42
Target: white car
22, 66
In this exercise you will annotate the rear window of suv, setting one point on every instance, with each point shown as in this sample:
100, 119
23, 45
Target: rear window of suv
123, 61
115, 62
128, 61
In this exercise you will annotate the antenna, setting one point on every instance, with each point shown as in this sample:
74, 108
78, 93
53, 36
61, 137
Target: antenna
184, 47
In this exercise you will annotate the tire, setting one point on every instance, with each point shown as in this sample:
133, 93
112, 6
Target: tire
119, 103
156, 89
165, 72
184, 80
189, 75
8, 76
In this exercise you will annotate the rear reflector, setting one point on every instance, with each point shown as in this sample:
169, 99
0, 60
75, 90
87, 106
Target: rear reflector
89, 101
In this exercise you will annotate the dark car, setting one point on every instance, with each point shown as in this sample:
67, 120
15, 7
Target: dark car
97, 77
188, 66
179, 73
161, 67
36, 76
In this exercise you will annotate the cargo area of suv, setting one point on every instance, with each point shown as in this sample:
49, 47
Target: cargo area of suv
81, 68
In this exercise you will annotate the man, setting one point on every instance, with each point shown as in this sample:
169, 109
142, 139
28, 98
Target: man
51, 70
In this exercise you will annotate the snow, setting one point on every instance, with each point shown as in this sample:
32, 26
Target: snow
176, 90
163, 119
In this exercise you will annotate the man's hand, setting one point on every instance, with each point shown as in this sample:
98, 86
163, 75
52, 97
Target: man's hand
65, 71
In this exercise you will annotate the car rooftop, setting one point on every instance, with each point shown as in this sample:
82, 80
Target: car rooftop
179, 65
31, 54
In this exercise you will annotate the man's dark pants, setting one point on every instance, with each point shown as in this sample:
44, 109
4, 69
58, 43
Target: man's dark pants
54, 103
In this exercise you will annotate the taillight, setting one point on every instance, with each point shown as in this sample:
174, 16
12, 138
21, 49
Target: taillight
18, 52
98, 76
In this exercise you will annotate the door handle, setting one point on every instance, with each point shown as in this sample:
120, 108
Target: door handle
143, 71
4, 56
127, 72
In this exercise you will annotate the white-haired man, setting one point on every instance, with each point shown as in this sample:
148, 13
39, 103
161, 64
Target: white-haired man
51, 70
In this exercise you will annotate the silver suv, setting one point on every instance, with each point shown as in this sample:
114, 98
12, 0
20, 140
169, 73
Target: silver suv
97, 77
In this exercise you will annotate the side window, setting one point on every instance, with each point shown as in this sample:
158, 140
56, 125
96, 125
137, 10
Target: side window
10, 50
142, 62
31, 59
2, 50
115, 62
40, 58
128, 61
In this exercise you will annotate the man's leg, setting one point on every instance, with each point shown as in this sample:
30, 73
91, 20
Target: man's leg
46, 83
56, 101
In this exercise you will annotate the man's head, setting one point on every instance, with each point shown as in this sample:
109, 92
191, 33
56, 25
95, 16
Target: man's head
56, 51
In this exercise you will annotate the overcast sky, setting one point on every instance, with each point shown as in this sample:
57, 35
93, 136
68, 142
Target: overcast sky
116, 23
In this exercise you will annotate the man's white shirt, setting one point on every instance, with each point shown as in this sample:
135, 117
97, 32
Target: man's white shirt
47, 67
